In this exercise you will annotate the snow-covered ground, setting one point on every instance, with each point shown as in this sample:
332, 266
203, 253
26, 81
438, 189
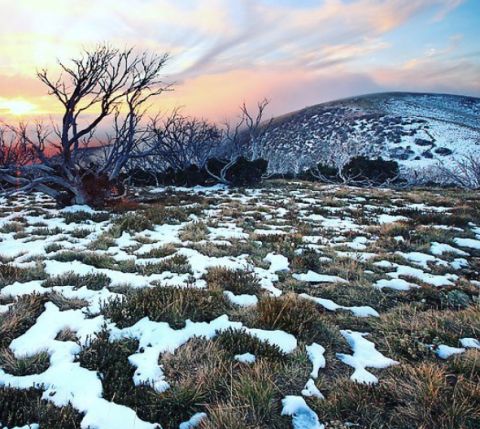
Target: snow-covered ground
419, 131
315, 244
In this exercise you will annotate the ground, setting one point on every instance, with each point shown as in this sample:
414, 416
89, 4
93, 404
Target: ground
294, 305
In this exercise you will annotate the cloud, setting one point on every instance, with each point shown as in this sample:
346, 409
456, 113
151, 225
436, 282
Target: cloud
224, 51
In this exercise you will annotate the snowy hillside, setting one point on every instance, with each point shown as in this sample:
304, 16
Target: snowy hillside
417, 130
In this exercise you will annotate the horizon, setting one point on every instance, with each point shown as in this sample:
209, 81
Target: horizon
295, 53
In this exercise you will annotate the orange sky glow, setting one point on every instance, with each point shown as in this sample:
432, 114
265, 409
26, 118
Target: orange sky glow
224, 52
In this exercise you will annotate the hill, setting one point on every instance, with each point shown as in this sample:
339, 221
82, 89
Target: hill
416, 129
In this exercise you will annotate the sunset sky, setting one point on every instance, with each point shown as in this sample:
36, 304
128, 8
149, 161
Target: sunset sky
295, 52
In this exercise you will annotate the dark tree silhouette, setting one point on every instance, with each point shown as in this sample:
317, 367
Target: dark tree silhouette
102, 83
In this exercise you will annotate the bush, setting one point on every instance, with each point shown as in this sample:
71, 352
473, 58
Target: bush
377, 171
320, 172
20, 407
242, 173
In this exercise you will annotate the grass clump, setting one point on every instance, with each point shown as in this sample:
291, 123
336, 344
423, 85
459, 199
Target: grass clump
170, 408
93, 281
43, 231
160, 215
298, 317
97, 260
237, 341
423, 396
254, 402
175, 264
130, 222
20, 407
10, 273
110, 359
83, 216
27, 365
407, 333
103, 242
12, 227
20, 317
194, 231
53, 247
171, 305
160, 252
237, 281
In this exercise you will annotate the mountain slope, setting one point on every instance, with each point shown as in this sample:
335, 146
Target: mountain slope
417, 130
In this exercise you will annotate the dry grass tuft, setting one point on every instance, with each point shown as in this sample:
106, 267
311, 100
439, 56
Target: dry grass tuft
167, 304
236, 281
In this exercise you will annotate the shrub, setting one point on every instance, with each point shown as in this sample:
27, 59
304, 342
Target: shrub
321, 172
20, 407
377, 171
242, 173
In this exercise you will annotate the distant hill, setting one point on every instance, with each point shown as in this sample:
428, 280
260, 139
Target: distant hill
415, 129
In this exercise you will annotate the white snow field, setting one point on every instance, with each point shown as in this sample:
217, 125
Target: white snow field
242, 308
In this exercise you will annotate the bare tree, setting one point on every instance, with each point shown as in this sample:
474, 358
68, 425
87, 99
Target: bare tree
463, 172
14, 151
244, 138
180, 141
102, 83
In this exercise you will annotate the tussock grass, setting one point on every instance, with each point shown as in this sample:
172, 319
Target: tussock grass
159, 215
20, 317
423, 396
10, 273
405, 332
171, 305
83, 216
195, 231
297, 316
130, 222
160, 252
94, 281
12, 227
97, 260
175, 264
236, 341
237, 281
27, 365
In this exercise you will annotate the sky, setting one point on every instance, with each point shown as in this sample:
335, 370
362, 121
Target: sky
223, 52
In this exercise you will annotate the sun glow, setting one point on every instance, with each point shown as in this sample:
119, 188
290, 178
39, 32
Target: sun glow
16, 107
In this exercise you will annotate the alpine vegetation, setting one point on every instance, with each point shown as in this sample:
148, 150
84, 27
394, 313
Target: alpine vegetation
177, 251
